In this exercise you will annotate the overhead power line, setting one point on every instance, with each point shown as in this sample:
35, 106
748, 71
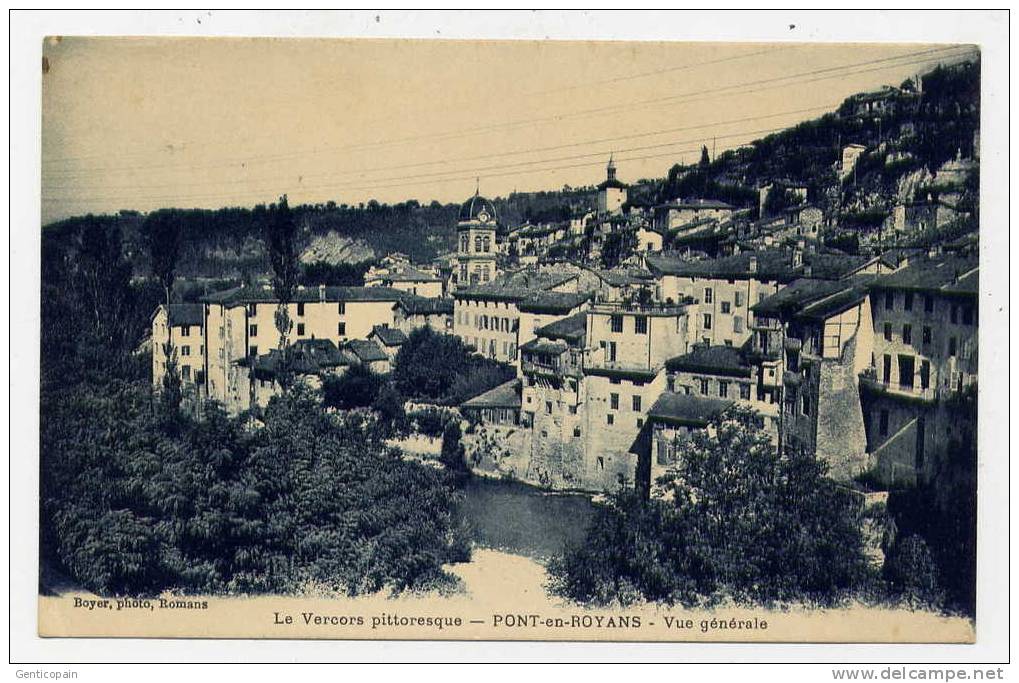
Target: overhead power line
691, 96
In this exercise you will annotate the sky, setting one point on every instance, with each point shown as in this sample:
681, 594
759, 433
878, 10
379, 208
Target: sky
146, 123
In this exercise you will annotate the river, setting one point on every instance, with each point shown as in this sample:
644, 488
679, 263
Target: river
523, 520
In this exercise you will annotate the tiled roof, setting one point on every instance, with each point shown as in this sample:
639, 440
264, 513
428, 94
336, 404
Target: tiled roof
696, 204
540, 345
367, 351
553, 302
688, 410
619, 277
947, 274
406, 274
503, 396
186, 314
420, 305
307, 356
715, 360
390, 336
772, 264
250, 294
515, 286
571, 329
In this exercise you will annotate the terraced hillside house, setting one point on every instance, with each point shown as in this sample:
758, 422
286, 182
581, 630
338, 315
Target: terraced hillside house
487, 317
725, 288
628, 345
811, 341
612, 192
919, 391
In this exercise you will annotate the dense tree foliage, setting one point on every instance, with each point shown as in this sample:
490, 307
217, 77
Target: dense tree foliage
133, 506
739, 521
440, 367
334, 274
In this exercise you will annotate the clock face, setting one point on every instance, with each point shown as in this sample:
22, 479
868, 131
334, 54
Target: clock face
483, 216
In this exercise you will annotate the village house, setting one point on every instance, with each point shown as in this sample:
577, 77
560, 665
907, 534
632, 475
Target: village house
924, 366
850, 155
240, 323
487, 317
669, 217
811, 340
412, 312
795, 189
309, 362
406, 278
389, 339
183, 325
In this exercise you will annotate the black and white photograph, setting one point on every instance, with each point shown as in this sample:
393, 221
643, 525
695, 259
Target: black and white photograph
511, 340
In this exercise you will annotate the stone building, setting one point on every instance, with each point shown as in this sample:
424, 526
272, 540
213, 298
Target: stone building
183, 325
924, 366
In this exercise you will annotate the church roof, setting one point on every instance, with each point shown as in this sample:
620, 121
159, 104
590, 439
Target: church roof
471, 209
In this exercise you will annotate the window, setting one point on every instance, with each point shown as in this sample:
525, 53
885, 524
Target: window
926, 334
907, 301
640, 324
252, 330
744, 392
609, 419
185, 350
185, 331
704, 387
889, 301
252, 309
573, 410
548, 407
615, 380
907, 334
708, 295
252, 351
576, 431
707, 321
487, 244
636, 404
737, 324
640, 422
723, 389
614, 401
341, 307
883, 426
477, 243
886, 371
727, 342
617, 323
888, 331
952, 346
300, 329
341, 329
928, 304
725, 307
737, 299
906, 367
925, 374
300, 308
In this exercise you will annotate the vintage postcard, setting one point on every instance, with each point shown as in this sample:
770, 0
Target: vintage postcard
509, 340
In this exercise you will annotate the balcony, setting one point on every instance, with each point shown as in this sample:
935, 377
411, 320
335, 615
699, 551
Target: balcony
869, 380
653, 308
597, 362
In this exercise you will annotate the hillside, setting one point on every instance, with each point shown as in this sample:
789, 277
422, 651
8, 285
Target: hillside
920, 127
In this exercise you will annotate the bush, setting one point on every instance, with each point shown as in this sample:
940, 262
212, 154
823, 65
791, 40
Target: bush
742, 522
910, 571
428, 421
439, 367
358, 387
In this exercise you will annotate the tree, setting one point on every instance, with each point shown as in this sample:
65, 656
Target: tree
739, 520
162, 231
911, 572
358, 387
705, 160
281, 241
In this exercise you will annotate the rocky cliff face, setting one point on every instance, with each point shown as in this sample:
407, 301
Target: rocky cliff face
334, 248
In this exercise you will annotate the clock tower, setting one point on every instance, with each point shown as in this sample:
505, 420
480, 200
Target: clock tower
476, 249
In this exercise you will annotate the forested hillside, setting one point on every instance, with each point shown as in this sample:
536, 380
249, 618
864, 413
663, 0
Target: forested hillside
933, 121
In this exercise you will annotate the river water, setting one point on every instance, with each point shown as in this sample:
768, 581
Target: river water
523, 520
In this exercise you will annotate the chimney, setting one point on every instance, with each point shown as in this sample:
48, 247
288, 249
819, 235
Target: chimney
322, 292
752, 268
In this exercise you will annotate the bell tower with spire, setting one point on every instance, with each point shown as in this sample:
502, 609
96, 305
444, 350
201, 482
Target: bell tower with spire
611, 193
